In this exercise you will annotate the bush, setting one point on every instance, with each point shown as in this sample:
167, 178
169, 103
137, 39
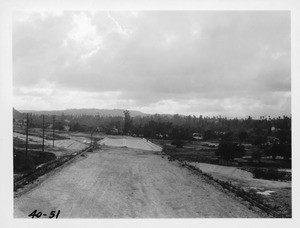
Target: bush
270, 174
209, 135
229, 150
20, 164
34, 158
178, 143
256, 155
278, 149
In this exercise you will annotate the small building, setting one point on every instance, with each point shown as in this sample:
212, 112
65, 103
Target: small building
197, 136
66, 128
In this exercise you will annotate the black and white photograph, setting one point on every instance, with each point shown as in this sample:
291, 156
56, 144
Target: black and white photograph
151, 113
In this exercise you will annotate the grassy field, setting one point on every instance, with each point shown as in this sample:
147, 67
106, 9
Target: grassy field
192, 154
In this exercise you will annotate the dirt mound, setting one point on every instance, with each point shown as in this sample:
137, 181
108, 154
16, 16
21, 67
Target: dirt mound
129, 142
223, 170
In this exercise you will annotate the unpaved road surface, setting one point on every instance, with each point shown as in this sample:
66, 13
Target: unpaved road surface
130, 142
117, 182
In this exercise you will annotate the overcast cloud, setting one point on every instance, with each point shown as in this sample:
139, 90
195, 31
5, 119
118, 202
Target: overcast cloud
232, 63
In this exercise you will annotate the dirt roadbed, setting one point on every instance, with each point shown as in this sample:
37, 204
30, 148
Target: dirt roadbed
117, 182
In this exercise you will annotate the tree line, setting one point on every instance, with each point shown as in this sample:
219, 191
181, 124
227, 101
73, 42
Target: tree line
275, 133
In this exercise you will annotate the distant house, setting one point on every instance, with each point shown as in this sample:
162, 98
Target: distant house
159, 136
114, 131
20, 123
66, 128
99, 129
197, 136
272, 140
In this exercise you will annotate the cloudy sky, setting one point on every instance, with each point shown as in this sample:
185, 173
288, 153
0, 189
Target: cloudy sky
229, 63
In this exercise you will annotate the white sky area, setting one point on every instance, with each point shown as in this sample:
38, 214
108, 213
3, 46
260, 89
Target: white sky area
229, 63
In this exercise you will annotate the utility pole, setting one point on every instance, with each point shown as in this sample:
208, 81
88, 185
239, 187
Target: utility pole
26, 139
91, 138
43, 133
53, 130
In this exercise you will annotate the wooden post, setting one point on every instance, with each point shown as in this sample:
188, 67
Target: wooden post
53, 131
43, 134
26, 140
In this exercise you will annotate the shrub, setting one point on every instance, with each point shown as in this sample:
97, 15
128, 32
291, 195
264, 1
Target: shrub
178, 143
256, 155
270, 174
34, 158
278, 149
229, 150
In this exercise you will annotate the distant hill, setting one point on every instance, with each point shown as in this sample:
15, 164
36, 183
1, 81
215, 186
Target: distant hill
82, 111
18, 115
